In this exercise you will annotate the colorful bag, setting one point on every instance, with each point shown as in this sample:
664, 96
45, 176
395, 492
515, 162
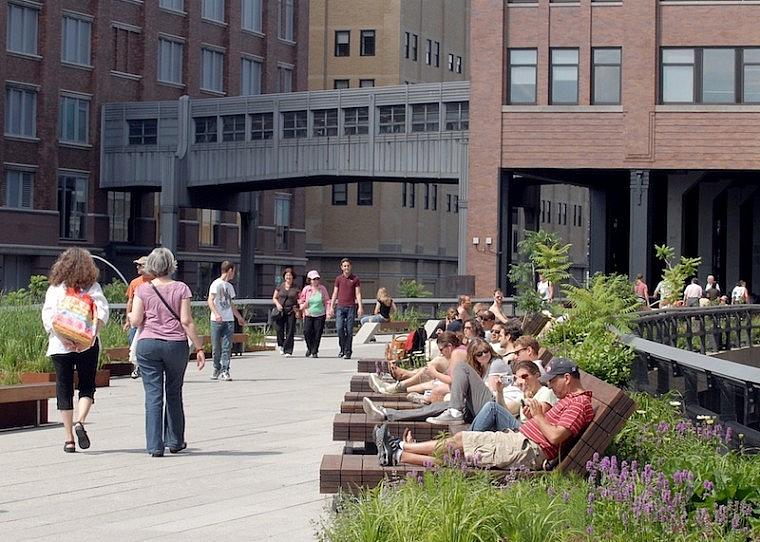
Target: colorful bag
76, 318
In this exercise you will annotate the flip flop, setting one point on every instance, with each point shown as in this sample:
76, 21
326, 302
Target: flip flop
84, 440
69, 447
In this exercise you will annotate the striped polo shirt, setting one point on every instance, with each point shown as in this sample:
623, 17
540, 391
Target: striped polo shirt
573, 412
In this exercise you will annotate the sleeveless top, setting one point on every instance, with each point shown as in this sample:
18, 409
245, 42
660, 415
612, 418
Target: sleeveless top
385, 310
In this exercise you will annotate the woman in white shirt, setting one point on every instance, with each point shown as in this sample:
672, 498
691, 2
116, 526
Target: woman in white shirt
74, 274
739, 294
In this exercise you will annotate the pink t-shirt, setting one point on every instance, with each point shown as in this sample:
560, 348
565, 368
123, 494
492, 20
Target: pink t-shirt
159, 323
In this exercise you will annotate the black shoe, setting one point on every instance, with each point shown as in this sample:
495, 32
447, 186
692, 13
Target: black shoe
347, 356
157, 454
308, 354
84, 440
314, 355
178, 450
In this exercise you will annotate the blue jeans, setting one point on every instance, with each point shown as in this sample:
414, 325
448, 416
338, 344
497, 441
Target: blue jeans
344, 323
494, 417
162, 364
375, 318
221, 344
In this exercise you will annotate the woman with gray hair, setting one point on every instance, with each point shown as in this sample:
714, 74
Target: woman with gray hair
161, 309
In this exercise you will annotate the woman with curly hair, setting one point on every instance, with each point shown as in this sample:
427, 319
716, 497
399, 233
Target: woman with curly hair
74, 274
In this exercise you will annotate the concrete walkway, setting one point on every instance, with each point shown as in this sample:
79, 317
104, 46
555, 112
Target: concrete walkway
251, 471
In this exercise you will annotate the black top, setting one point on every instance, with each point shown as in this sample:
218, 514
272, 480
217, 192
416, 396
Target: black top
288, 297
385, 310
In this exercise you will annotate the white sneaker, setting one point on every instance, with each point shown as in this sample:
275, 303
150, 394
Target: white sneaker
446, 418
282, 350
225, 375
215, 374
417, 398
288, 355
376, 383
374, 413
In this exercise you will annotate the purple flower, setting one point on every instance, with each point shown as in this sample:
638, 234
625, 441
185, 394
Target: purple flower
708, 485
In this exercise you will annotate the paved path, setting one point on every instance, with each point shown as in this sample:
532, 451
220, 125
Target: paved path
251, 471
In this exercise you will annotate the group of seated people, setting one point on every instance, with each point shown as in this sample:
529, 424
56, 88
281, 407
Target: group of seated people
520, 412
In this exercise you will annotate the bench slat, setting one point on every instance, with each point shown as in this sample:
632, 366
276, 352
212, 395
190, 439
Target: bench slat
27, 392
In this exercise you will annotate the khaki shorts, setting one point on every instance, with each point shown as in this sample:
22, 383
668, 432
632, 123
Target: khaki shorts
502, 449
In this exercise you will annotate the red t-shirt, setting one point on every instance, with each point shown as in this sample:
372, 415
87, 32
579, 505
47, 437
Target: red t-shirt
573, 412
346, 286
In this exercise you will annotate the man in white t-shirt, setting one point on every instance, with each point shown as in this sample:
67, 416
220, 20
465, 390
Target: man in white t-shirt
223, 315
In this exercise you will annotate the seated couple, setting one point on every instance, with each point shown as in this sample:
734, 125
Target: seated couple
526, 445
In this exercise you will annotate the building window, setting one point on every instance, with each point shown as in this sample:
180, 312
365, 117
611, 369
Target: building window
285, 78
434, 204
426, 199
678, 75
340, 84
606, 76
174, 5
364, 193
72, 205
718, 76
451, 62
546, 211
407, 43
456, 203
233, 128
457, 116
252, 15
74, 120
564, 76
403, 194
169, 61
522, 76
250, 78
21, 31
119, 212
562, 214
125, 43
142, 132
751, 75
459, 64
282, 221
366, 83
428, 51
409, 191
205, 129
325, 122
213, 10
437, 54
367, 43
577, 215
448, 203
18, 189
262, 126
212, 70
20, 111
340, 194
286, 20
392, 119
209, 222
355, 120
415, 39
294, 124
425, 117
75, 40
342, 43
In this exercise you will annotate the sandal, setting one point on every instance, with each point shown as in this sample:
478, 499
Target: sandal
69, 447
84, 440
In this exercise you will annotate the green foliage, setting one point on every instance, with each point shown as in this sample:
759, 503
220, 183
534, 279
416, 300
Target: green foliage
38, 285
23, 343
116, 291
552, 261
675, 275
254, 337
413, 316
540, 252
412, 288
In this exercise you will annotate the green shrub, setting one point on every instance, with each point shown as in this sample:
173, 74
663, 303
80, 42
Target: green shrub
116, 291
412, 288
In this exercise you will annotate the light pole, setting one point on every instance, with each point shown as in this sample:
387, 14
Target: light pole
109, 264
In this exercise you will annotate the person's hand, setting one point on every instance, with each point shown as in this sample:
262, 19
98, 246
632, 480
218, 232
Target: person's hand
70, 345
498, 386
217, 317
241, 321
360, 311
200, 359
126, 325
534, 407
330, 314
431, 372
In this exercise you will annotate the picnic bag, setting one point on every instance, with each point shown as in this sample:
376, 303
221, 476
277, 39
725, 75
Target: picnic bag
415, 342
75, 318
395, 349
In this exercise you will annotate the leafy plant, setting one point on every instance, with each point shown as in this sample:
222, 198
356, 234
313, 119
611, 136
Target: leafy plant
540, 252
412, 288
413, 316
116, 291
675, 274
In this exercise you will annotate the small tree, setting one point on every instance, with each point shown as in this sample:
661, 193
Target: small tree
675, 275
540, 252
412, 288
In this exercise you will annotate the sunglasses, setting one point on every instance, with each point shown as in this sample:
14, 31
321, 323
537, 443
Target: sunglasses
482, 353
515, 352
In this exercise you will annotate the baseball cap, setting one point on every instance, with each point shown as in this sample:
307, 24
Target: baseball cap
313, 274
142, 260
559, 366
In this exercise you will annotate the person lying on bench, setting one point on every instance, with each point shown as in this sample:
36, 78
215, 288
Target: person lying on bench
537, 440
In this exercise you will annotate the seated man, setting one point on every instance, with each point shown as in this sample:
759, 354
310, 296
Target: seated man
537, 440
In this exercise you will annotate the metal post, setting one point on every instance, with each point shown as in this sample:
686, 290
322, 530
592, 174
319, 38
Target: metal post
505, 230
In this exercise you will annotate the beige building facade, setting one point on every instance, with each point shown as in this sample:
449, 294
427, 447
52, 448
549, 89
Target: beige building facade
390, 230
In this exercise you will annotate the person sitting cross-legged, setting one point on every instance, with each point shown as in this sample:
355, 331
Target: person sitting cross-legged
537, 440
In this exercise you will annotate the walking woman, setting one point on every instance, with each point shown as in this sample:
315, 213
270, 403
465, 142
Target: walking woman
285, 299
383, 308
161, 309
73, 283
314, 303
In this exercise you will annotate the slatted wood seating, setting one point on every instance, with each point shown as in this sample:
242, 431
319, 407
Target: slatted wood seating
387, 401
25, 404
349, 472
358, 396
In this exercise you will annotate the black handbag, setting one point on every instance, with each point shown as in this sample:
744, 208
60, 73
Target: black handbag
276, 313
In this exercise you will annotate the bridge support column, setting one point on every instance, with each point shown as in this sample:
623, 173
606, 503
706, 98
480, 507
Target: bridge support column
249, 226
706, 223
505, 225
597, 239
640, 232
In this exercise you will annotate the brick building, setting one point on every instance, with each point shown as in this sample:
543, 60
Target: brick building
63, 58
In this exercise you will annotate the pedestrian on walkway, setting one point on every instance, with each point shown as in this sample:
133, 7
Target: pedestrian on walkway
285, 299
223, 315
74, 297
141, 278
346, 305
314, 302
161, 309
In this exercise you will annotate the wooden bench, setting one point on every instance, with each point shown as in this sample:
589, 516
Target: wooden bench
349, 472
25, 404
370, 329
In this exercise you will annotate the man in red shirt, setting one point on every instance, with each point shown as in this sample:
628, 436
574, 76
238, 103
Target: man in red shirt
537, 440
136, 282
346, 304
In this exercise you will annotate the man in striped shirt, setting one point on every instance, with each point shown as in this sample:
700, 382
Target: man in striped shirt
537, 440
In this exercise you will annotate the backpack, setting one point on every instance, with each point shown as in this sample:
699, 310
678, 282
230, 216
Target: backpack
415, 341
75, 318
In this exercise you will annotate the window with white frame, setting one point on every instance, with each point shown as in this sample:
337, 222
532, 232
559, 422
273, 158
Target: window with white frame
286, 19
262, 126
355, 120
252, 15
18, 189
425, 117
250, 77
457, 116
340, 194
74, 119
342, 43
75, 40
212, 70
20, 111
294, 124
282, 221
169, 61
142, 131
21, 32
367, 43
285, 78
213, 10
325, 122
72, 205
392, 119
119, 212
205, 129
209, 222
175, 5
233, 128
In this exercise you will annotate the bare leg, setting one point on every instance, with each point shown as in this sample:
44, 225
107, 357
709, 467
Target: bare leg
420, 453
83, 408
67, 416
439, 392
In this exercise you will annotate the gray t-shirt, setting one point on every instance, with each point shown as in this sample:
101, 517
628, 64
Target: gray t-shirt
498, 367
224, 293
